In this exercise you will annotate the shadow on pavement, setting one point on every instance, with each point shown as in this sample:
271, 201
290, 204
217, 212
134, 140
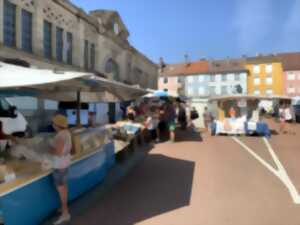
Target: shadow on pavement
157, 185
188, 136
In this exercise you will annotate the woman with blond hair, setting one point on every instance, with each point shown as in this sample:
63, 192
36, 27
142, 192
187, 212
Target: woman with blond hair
61, 150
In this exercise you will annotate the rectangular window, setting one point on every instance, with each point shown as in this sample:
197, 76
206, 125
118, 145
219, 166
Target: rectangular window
212, 78
212, 90
201, 78
269, 68
237, 77
230, 77
47, 40
257, 81
291, 90
218, 77
86, 54
165, 80
257, 92
190, 91
59, 44
269, 80
26, 31
196, 79
256, 69
291, 76
93, 55
269, 91
9, 24
224, 77
69, 48
201, 91
224, 90
190, 79
180, 79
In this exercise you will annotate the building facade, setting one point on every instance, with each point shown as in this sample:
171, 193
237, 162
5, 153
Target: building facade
56, 34
173, 77
198, 81
209, 85
265, 75
291, 73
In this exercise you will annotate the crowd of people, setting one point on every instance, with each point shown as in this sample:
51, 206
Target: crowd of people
163, 117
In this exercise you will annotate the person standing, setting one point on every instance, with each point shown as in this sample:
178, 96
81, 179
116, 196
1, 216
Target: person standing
131, 113
289, 118
151, 124
193, 115
61, 150
171, 120
207, 118
182, 118
282, 118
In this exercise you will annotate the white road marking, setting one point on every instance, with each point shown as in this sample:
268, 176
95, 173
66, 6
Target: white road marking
280, 173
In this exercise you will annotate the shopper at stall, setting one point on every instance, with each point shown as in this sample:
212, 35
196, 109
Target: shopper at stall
193, 115
4, 138
289, 118
207, 118
171, 119
151, 124
282, 117
61, 150
131, 113
182, 117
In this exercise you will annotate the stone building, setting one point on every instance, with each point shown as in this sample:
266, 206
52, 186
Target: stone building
56, 34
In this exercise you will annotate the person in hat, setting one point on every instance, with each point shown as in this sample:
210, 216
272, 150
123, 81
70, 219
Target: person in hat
61, 149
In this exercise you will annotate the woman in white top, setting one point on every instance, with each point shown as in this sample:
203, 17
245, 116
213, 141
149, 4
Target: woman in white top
61, 150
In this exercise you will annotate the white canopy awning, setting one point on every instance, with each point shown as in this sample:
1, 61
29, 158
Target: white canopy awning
63, 85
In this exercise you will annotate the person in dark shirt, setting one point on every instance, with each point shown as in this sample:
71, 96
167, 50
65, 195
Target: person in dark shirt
171, 120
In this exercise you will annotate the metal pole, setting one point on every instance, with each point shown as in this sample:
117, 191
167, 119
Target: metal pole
78, 121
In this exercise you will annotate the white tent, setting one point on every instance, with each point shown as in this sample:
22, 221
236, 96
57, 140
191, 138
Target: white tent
64, 85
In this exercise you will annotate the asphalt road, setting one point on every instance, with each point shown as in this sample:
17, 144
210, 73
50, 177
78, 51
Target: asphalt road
203, 181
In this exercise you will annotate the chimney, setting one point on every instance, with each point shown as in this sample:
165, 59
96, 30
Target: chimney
186, 59
162, 64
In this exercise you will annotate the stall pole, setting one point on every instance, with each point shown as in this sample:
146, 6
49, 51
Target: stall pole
78, 122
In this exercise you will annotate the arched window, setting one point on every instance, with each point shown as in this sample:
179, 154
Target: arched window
137, 76
112, 67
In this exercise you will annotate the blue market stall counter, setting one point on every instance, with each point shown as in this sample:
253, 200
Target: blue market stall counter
31, 196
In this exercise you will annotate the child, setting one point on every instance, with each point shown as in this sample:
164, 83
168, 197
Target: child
152, 124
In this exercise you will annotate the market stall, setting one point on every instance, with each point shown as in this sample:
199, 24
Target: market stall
27, 189
239, 114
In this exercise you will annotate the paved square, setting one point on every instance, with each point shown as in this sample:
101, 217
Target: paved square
213, 182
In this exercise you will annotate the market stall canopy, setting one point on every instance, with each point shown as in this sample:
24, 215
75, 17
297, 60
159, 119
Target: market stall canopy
63, 85
248, 97
160, 94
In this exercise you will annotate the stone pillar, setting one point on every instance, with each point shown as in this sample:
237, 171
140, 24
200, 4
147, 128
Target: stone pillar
65, 47
78, 46
53, 41
18, 26
1, 21
38, 29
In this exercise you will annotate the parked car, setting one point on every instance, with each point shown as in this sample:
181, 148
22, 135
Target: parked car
13, 122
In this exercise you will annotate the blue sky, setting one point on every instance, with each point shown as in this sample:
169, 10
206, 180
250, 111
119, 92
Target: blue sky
207, 28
